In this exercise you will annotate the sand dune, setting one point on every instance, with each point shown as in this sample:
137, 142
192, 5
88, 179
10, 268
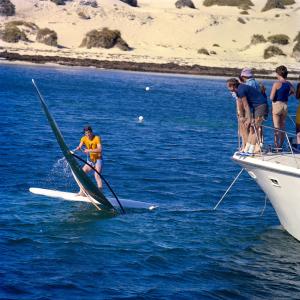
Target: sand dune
159, 32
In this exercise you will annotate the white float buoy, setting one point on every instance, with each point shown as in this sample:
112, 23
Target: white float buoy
147, 88
141, 119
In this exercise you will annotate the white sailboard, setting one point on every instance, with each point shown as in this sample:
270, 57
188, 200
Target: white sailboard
74, 197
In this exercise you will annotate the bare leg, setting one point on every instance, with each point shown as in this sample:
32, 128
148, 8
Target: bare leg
298, 133
261, 134
98, 167
282, 127
85, 169
276, 122
243, 133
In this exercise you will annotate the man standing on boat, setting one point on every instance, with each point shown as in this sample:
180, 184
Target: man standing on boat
93, 149
253, 107
281, 90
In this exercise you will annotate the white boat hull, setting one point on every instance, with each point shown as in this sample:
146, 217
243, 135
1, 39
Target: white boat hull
279, 178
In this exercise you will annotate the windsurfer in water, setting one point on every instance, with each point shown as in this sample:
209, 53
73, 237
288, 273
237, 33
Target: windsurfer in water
93, 148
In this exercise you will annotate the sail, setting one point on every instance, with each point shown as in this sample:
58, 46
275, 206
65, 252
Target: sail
80, 176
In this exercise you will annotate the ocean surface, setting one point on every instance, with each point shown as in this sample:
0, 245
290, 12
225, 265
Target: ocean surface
179, 159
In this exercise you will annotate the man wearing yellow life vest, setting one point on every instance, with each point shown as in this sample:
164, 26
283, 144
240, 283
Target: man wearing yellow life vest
94, 150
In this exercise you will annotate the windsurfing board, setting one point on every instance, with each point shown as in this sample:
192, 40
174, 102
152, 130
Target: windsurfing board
74, 197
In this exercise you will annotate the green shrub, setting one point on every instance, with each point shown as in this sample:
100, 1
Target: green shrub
297, 37
297, 47
244, 4
257, 39
216, 45
203, 51
47, 36
296, 50
272, 51
244, 12
83, 15
23, 23
288, 2
241, 20
12, 34
104, 38
271, 4
280, 39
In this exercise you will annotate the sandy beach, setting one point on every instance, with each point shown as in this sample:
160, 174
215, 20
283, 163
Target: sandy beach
158, 34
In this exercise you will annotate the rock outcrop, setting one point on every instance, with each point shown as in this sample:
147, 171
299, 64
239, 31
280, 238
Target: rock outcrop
130, 2
271, 4
7, 8
184, 3
91, 3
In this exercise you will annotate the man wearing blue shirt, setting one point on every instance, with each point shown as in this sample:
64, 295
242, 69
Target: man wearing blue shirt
253, 107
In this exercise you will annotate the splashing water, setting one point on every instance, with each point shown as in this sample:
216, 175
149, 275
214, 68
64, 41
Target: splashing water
62, 167
60, 173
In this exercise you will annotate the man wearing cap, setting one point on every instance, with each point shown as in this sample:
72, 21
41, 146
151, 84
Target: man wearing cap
247, 78
254, 107
93, 148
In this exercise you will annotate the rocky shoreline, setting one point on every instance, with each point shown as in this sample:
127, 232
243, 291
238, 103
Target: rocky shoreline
170, 68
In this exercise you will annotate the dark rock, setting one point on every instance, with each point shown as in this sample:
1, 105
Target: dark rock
92, 3
184, 3
134, 66
271, 4
7, 8
130, 2
60, 2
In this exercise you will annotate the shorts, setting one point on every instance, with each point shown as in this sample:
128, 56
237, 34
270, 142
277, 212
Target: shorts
279, 108
98, 163
298, 116
261, 111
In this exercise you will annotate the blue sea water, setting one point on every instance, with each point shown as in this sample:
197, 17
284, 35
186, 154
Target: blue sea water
179, 158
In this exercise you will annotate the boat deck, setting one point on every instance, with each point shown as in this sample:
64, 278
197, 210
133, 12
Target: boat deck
282, 159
